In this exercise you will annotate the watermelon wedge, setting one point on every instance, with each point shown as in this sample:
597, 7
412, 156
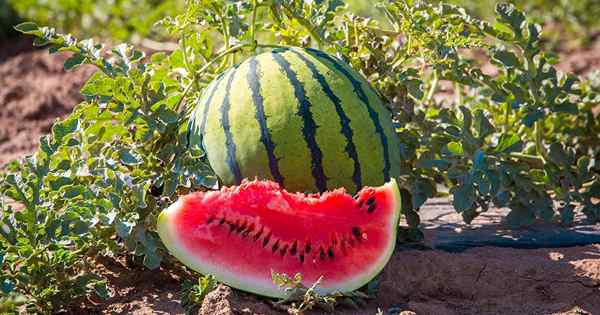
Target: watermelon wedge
242, 234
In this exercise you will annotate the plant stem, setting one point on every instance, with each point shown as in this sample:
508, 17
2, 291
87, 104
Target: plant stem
534, 88
532, 160
459, 94
539, 139
253, 22
507, 118
432, 88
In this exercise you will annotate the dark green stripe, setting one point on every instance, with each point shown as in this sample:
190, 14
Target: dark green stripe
209, 100
363, 97
229, 144
345, 121
193, 121
310, 127
265, 136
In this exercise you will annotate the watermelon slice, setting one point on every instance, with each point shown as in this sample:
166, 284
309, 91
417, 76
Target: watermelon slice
242, 234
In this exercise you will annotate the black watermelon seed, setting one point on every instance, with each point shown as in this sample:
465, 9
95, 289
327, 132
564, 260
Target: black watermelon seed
356, 233
330, 252
293, 248
231, 226
258, 234
245, 233
371, 208
307, 247
241, 227
267, 239
284, 249
222, 221
301, 257
321, 253
275, 246
210, 220
371, 201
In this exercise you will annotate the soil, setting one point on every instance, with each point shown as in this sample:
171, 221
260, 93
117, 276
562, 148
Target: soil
483, 280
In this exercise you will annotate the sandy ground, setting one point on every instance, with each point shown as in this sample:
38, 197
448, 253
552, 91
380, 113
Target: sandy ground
484, 280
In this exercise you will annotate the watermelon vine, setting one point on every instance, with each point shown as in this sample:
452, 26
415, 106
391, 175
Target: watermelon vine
522, 137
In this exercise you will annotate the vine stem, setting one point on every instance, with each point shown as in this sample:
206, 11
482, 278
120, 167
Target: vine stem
432, 89
459, 93
253, 23
507, 118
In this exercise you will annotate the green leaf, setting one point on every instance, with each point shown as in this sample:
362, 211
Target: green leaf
7, 286
482, 125
74, 62
557, 154
151, 260
508, 143
101, 289
506, 58
455, 148
464, 196
520, 216
129, 158
28, 28
64, 128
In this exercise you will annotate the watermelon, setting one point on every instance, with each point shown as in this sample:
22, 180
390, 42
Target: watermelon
299, 117
242, 234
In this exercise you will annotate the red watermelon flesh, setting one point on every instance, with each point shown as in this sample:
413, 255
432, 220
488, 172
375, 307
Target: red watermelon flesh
242, 234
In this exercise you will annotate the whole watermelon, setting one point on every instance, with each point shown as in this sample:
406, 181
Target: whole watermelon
299, 117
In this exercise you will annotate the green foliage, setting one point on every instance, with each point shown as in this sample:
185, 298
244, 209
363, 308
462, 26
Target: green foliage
120, 19
521, 135
193, 294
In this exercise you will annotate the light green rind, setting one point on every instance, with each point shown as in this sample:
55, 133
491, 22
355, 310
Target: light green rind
168, 234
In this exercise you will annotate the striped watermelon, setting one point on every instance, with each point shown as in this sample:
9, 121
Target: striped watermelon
299, 117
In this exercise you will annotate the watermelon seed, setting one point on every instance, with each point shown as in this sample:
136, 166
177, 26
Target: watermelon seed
330, 252
210, 220
275, 246
222, 221
371, 201
232, 226
250, 228
258, 234
307, 247
301, 257
267, 239
334, 240
293, 248
245, 233
284, 249
371, 208
242, 226
356, 233
321, 253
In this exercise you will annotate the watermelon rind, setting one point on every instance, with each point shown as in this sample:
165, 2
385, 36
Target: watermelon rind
169, 235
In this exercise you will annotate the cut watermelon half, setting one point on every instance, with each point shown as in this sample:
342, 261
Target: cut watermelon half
242, 234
